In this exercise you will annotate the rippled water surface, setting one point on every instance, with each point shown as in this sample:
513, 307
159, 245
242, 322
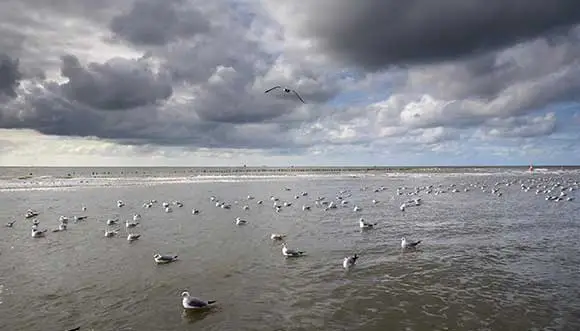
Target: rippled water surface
487, 262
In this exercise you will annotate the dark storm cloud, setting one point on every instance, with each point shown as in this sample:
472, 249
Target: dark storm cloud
115, 85
9, 76
487, 76
377, 33
154, 22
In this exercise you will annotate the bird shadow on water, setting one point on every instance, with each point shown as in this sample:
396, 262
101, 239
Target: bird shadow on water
193, 316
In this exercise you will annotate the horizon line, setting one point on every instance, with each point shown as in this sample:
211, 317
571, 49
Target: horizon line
302, 166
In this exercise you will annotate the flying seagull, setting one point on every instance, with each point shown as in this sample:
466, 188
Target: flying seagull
286, 90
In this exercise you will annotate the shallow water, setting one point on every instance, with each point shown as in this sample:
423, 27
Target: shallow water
486, 262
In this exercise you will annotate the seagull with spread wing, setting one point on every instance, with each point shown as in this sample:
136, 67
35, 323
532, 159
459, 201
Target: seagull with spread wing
286, 90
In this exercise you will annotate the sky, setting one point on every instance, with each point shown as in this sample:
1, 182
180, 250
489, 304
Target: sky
386, 82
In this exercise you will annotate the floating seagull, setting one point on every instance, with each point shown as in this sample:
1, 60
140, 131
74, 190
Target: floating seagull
37, 233
80, 218
277, 236
120, 203
136, 217
63, 219
409, 245
111, 233
30, 213
246, 207
195, 211
163, 259
75, 329
349, 261
190, 302
112, 221
286, 90
131, 224
364, 225
240, 221
133, 236
61, 227
305, 207
10, 224
290, 252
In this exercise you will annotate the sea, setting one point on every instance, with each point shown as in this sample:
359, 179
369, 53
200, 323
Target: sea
499, 248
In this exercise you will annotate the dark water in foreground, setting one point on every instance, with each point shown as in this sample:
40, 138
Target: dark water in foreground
487, 262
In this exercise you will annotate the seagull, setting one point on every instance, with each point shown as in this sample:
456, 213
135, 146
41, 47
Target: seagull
112, 221
290, 252
10, 224
133, 236
364, 225
349, 261
195, 211
79, 218
162, 259
111, 233
277, 236
409, 245
37, 233
190, 302
240, 221
130, 224
61, 227
286, 90
30, 213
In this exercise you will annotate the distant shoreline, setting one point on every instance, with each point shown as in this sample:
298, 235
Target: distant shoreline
25, 173
301, 168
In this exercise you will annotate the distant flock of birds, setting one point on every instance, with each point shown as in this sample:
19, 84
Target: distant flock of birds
554, 189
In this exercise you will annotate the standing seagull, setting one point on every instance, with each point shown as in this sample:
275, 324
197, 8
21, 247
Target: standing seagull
409, 245
286, 90
190, 302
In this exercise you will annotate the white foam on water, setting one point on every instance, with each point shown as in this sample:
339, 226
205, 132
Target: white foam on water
46, 183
